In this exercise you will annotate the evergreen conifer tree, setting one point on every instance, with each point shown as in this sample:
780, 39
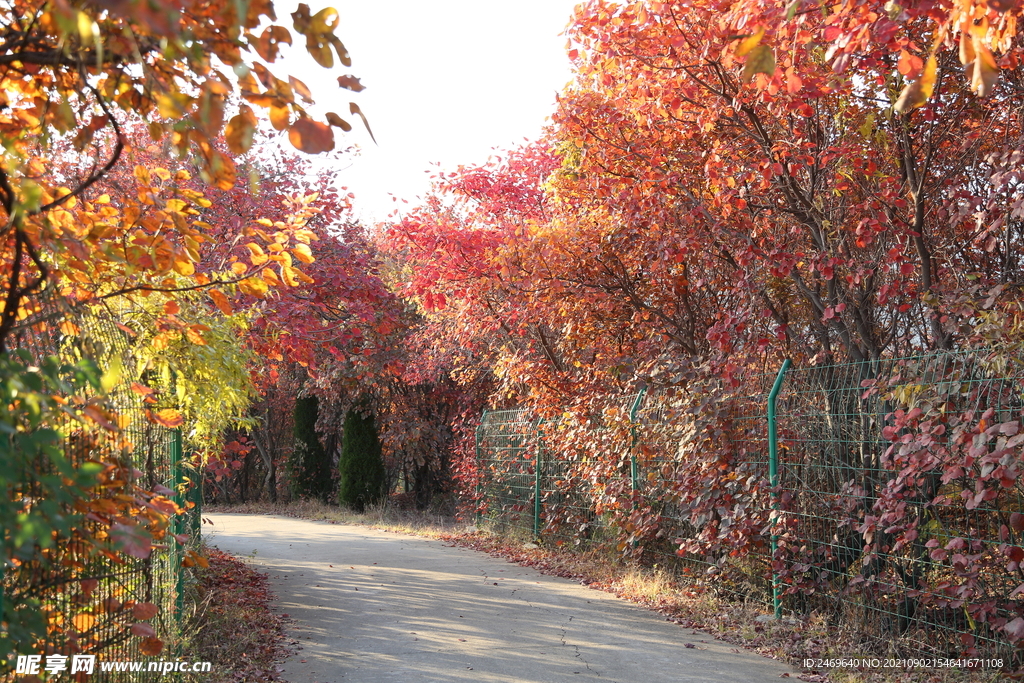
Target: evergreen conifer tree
310, 464
361, 464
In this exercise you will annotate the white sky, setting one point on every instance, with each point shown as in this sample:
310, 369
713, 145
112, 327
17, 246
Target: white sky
446, 81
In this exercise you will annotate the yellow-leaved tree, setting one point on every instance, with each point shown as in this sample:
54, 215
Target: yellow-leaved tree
75, 77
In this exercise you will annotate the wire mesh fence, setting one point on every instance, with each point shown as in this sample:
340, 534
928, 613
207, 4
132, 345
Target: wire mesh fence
96, 601
897, 507
898, 484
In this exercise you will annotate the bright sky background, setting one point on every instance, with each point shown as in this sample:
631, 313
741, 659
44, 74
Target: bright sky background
447, 81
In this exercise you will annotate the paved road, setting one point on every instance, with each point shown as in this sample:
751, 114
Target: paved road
377, 607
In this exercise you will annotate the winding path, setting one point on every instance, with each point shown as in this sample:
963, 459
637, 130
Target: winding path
371, 606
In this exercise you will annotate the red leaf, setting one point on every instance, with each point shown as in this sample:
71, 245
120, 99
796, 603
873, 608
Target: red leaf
312, 137
143, 630
133, 540
99, 416
88, 586
145, 610
167, 417
350, 83
1015, 629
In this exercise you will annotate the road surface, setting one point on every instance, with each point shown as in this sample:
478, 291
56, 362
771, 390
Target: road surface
376, 607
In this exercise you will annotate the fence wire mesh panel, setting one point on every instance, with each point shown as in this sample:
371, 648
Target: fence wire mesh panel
583, 489
898, 510
507, 449
676, 482
90, 597
899, 489
613, 474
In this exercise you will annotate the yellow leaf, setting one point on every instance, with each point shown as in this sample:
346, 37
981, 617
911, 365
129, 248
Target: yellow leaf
112, 376
161, 340
166, 417
750, 42
288, 274
280, 116
222, 171
182, 266
918, 92
985, 72
303, 253
256, 254
325, 21
761, 60
967, 54
175, 205
194, 335
83, 622
87, 28
270, 277
240, 130
253, 287
170, 105
979, 27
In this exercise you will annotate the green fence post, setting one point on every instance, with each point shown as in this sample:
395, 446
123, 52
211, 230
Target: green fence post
479, 469
633, 470
178, 478
196, 496
773, 476
536, 486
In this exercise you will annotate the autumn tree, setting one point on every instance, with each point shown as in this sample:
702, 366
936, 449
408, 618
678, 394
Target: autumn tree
73, 70
727, 185
75, 76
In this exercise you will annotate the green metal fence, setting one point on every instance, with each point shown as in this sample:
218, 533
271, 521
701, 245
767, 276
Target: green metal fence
888, 494
875, 521
93, 613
